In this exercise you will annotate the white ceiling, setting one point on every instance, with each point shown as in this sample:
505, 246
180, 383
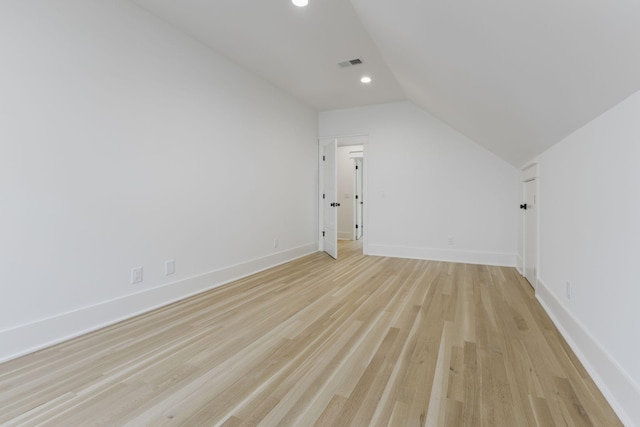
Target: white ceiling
296, 49
516, 77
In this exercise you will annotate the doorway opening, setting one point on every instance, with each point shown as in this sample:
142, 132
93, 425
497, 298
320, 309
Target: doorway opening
342, 192
350, 164
527, 257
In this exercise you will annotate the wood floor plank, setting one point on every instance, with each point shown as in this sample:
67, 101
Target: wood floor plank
359, 341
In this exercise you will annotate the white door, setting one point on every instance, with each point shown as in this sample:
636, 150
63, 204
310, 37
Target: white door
530, 210
330, 197
358, 199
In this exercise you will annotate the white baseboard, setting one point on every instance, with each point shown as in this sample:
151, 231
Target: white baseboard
43, 333
622, 393
345, 235
467, 257
519, 265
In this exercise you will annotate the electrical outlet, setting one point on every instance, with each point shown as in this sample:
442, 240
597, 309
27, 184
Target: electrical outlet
450, 240
136, 275
275, 243
568, 289
169, 267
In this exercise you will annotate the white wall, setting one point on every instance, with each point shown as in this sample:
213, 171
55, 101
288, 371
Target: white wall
427, 182
346, 192
590, 235
124, 143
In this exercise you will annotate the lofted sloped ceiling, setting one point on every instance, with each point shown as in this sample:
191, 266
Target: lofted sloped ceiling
296, 49
516, 77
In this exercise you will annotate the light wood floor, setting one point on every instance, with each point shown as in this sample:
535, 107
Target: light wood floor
360, 341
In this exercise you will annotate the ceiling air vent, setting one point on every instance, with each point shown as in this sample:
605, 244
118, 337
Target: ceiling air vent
350, 63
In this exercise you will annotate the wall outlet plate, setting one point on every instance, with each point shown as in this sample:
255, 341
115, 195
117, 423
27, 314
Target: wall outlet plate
169, 267
136, 275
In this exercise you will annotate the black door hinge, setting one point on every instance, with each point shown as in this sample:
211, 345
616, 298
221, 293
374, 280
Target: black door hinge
357, 197
324, 158
356, 167
356, 225
323, 195
323, 234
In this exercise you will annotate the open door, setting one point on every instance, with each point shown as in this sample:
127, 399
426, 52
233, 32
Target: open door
330, 196
530, 232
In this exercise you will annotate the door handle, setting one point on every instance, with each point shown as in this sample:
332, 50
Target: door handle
335, 205
523, 206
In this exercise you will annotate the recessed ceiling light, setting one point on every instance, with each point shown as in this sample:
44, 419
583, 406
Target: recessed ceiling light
365, 79
300, 3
